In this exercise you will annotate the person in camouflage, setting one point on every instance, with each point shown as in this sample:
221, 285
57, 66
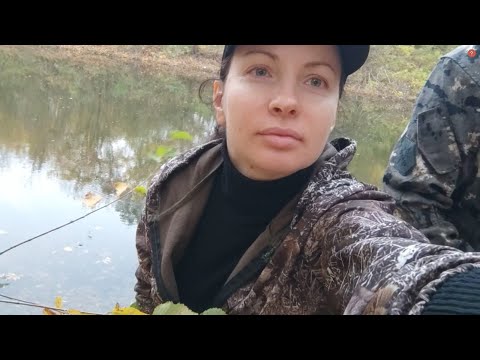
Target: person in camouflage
433, 169
267, 220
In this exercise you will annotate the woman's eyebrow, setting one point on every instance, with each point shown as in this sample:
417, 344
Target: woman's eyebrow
319, 63
274, 57
264, 52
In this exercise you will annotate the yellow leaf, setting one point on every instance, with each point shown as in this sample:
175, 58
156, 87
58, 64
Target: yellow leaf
117, 310
90, 199
120, 187
58, 302
76, 312
51, 312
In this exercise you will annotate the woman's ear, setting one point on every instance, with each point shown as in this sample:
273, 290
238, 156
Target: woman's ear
217, 102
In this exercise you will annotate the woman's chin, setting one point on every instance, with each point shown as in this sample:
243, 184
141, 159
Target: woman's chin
276, 168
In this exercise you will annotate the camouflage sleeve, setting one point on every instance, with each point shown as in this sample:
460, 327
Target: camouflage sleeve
143, 287
374, 263
435, 154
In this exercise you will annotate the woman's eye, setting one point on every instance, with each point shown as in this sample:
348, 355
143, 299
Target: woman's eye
316, 82
260, 72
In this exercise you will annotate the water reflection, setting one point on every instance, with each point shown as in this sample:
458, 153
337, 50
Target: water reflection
375, 126
66, 131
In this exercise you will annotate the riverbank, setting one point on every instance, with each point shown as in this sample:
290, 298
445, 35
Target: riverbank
392, 72
149, 59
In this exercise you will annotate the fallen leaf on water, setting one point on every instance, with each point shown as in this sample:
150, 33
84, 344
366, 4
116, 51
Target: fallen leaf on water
60, 311
90, 199
51, 312
58, 302
120, 187
75, 312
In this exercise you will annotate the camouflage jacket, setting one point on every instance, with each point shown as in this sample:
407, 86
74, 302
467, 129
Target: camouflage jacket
433, 169
335, 248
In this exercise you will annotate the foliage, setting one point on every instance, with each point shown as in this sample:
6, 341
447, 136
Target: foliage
142, 190
168, 308
117, 310
181, 135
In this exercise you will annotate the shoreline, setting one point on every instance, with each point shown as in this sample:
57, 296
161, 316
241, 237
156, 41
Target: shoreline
150, 60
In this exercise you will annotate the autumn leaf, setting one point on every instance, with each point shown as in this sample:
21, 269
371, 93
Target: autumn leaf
58, 305
169, 308
76, 312
90, 199
58, 302
120, 187
59, 311
47, 311
117, 310
180, 135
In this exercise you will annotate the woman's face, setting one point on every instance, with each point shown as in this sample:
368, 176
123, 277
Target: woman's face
278, 105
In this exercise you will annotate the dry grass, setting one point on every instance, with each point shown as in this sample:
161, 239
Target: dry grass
152, 59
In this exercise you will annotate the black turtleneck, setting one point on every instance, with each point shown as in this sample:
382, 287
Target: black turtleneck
237, 211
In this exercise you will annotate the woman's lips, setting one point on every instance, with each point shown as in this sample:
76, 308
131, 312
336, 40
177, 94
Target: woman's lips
281, 138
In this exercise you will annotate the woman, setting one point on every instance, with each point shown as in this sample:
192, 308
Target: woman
268, 221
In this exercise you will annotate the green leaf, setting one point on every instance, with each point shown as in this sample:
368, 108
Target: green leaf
214, 311
170, 308
162, 150
142, 190
135, 305
180, 135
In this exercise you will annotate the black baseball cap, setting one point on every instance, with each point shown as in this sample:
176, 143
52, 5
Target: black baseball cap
353, 56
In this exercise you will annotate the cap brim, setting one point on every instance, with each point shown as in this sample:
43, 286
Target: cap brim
353, 56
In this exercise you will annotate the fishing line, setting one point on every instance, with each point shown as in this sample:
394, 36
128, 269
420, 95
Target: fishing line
75, 220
